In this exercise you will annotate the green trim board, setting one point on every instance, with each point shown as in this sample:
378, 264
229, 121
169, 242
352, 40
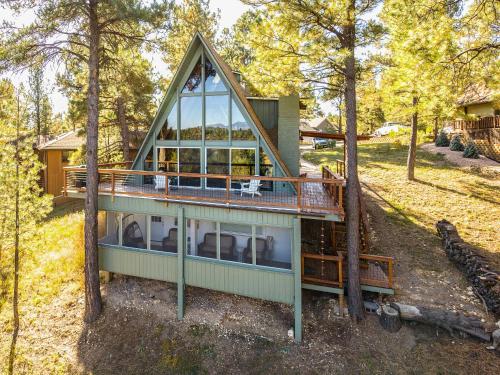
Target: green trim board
322, 288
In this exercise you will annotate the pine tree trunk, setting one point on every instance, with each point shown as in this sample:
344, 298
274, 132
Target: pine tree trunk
15, 298
120, 107
355, 300
435, 128
412, 151
340, 118
93, 304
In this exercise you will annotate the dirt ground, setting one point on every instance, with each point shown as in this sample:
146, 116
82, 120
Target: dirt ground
138, 334
456, 157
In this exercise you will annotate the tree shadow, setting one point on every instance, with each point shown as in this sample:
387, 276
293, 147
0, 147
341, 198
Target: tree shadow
72, 205
448, 190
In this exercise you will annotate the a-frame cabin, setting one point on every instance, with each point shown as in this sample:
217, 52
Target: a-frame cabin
214, 198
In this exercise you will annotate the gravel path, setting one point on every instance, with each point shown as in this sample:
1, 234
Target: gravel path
456, 157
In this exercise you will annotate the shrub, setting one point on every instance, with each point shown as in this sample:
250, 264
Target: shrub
442, 140
471, 151
456, 143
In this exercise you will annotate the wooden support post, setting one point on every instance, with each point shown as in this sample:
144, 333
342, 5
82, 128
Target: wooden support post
108, 276
228, 189
65, 183
112, 186
389, 271
297, 252
340, 196
299, 195
180, 263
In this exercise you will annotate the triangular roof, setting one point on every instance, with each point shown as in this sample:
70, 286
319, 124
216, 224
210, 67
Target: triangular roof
224, 69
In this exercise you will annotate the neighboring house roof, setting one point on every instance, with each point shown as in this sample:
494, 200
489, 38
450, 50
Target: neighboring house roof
318, 124
71, 140
304, 126
476, 94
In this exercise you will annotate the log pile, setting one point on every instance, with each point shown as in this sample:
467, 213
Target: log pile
485, 280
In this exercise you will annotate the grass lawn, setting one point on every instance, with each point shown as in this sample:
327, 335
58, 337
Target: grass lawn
468, 199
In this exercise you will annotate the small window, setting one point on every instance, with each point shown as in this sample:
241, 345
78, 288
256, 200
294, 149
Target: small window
65, 155
193, 83
156, 219
497, 112
213, 80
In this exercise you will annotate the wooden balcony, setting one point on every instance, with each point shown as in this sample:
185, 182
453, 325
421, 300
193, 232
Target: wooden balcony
376, 272
308, 196
489, 122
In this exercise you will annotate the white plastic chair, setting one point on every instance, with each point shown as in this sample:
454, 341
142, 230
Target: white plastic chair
160, 182
251, 188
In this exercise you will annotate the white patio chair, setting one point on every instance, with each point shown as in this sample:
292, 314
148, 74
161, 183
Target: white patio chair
251, 188
160, 182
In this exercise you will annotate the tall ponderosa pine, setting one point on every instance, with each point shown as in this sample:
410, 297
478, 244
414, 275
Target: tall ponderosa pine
61, 26
38, 101
418, 82
22, 205
320, 36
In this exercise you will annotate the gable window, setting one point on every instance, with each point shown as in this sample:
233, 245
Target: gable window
169, 130
189, 162
242, 164
193, 83
217, 117
240, 128
213, 80
167, 159
265, 169
217, 163
191, 118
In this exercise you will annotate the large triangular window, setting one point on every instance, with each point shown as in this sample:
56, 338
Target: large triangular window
168, 131
193, 83
213, 80
241, 129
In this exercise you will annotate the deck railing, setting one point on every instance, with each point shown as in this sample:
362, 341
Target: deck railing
488, 122
322, 195
375, 270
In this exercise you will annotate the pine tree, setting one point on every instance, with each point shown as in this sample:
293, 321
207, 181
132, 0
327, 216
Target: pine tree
22, 205
60, 28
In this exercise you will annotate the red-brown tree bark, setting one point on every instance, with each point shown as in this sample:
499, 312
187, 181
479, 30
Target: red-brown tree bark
356, 309
93, 303
412, 151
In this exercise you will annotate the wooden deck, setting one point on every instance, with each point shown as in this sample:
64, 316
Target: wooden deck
315, 197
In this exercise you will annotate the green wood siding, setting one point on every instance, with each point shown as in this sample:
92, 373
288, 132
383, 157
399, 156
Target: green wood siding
138, 263
269, 285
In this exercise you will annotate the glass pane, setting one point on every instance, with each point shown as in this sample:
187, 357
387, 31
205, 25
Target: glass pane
191, 118
164, 233
213, 81
201, 238
239, 126
266, 169
217, 117
241, 235
274, 247
242, 164
134, 231
167, 159
189, 162
149, 166
169, 130
107, 227
193, 83
217, 163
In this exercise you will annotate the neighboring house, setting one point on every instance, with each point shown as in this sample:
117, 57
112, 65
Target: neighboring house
479, 101
214, 199
54, 154
321, 124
